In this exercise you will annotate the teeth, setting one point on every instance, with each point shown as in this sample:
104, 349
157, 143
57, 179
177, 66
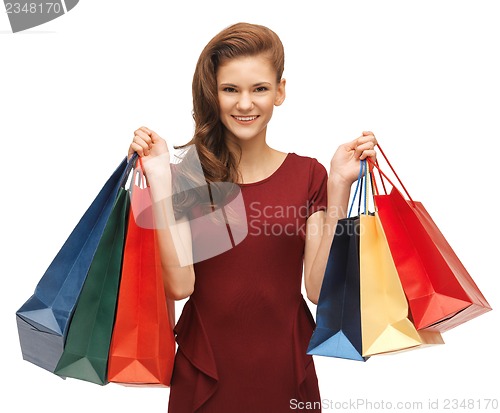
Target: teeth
245, 118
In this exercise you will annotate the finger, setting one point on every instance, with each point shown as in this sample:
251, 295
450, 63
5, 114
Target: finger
144, 142
351, 146
360, 140
145, 129
140, 149
135, 148
155, 137
370, 137
363, 147
369, 153
144, 136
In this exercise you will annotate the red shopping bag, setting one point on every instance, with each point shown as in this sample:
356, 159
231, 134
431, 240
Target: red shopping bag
142, 347
440, 291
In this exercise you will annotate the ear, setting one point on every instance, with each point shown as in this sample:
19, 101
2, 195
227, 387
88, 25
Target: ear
280, 93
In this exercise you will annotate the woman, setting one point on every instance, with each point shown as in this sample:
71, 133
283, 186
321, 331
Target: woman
243, 333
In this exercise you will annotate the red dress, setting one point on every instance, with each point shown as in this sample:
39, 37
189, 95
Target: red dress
243, 334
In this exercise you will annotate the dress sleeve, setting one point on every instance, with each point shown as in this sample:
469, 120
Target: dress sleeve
317, 196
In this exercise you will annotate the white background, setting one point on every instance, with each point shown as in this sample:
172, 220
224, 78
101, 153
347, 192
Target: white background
422, 75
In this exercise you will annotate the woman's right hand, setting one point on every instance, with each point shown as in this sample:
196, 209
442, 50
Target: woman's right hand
153, 150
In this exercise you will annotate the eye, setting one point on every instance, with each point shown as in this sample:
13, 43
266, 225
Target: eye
261, 89
229, 89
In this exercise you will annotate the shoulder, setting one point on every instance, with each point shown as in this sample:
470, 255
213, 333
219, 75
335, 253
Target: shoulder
312, 166
311, 176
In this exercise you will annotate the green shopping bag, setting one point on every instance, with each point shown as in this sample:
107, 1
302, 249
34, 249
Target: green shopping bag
85, 354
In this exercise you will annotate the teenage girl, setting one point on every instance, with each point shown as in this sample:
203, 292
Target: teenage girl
243, 333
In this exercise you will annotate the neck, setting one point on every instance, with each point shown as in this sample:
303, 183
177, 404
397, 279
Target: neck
256, 158
250, 153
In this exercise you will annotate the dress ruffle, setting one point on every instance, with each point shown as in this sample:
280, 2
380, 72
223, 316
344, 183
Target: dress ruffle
195, 346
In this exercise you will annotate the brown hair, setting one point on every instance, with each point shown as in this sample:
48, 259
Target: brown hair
240, 39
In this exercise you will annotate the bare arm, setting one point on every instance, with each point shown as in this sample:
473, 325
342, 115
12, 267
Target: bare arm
320, 230
174, 238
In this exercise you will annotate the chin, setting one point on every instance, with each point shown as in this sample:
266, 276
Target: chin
246, 135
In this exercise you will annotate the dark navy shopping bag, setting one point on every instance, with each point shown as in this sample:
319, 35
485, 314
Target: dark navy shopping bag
338, 314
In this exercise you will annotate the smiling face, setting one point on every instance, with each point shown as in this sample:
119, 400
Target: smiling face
248, 91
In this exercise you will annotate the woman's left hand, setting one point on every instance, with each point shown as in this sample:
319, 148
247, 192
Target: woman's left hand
344, 166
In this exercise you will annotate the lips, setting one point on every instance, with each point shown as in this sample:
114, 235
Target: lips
245, 119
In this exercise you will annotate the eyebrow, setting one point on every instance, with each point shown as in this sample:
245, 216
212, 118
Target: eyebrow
254, 85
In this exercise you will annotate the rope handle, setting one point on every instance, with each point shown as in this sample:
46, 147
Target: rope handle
142, 179
364, 184
130, 165
383, 175
359, 187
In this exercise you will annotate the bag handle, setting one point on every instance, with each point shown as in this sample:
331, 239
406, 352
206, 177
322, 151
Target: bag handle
130, 165
356, 190
361, 185
383, 175
140, 178
368, 186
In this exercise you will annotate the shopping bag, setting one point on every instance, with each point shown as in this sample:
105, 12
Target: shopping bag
142, 347
44, 319
440, 291
386, 326
362, 309
85, 354
385, 323
338, 313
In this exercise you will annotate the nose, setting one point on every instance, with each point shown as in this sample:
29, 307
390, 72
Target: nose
245, 102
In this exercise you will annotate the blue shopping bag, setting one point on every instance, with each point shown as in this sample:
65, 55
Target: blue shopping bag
44, 319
